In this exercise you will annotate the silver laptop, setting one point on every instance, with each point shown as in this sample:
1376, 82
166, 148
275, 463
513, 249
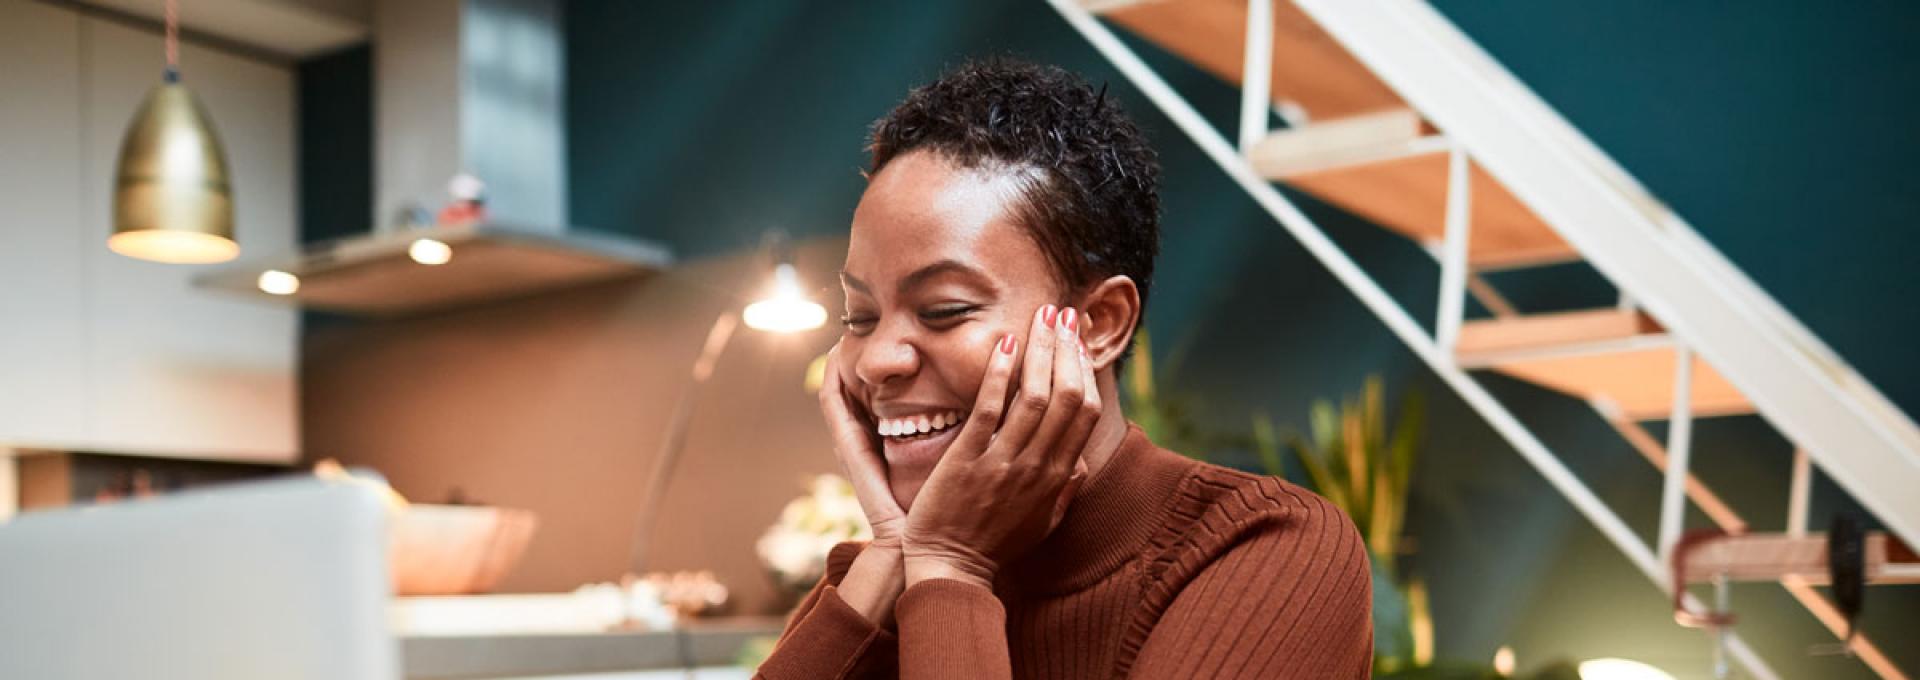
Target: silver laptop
283, 579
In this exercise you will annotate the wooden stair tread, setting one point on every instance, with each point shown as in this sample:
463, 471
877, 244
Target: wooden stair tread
1309, 67
1774, 556
1408, 194
1640, 382
1480, 337
1620, 356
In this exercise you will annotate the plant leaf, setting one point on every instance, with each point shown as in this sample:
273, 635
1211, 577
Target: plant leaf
1321, 477
1357, 477
1266, 444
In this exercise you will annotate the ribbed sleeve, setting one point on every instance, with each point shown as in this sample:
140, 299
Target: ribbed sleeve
952, 631
831, 640
827, 638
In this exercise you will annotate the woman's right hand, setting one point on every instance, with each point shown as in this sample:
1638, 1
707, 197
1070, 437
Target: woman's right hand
854, 444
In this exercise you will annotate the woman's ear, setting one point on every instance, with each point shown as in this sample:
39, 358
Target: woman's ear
1109, 312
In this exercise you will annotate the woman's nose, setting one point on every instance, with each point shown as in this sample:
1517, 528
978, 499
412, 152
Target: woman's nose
887, 357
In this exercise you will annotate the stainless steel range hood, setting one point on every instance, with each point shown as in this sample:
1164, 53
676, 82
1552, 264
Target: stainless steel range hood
460, 86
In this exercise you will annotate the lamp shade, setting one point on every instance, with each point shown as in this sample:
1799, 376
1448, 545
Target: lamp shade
171, 197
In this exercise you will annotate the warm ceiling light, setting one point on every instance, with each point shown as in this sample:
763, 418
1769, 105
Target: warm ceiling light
171, 198
1620, 669
1503, 662
787, 310
430, 252
276, 282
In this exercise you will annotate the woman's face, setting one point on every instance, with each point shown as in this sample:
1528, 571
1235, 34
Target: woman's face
936, 273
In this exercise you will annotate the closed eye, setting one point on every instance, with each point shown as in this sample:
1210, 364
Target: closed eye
948, 312
857, 324
949, 315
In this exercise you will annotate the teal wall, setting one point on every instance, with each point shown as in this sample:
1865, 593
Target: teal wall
1780, 129
336, 144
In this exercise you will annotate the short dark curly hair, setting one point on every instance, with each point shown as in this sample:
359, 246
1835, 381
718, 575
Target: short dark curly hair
1090, 189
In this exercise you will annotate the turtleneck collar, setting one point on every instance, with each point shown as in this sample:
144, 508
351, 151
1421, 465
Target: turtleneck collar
1107, 523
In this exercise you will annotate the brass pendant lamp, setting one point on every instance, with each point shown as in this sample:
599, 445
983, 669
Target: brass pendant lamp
171, 198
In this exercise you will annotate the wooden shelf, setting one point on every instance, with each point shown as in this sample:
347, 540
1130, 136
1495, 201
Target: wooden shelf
374, 275
1309, 68
1618, 356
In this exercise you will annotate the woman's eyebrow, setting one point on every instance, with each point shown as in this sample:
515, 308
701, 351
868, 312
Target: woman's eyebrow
854, 282
920, 276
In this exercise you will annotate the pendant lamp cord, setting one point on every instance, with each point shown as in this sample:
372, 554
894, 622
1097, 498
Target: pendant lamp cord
173, 40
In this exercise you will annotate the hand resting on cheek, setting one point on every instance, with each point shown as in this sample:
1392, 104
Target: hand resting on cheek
1004, 483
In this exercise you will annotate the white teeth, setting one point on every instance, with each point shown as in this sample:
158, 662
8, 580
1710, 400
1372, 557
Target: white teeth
895, 427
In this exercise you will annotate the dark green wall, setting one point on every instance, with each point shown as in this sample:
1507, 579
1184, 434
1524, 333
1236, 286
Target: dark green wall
1777, 128
336, 144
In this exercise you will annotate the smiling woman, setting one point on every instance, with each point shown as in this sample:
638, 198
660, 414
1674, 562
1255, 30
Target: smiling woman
999, 264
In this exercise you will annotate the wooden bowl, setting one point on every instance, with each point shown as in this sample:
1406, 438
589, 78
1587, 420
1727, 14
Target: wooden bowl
456, 549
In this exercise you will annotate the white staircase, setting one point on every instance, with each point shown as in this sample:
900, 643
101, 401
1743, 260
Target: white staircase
1398, 117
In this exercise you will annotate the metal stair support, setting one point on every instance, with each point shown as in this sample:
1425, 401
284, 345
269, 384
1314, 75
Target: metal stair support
1591, 193
1796, 383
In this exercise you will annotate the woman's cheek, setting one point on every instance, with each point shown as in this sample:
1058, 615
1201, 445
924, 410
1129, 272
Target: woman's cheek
969, 359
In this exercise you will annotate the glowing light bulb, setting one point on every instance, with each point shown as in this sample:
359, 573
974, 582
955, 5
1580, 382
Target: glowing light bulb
1620, 669
1503, 662
787, 310
430, 252
276, 282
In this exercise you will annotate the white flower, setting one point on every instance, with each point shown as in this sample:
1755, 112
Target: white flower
796, 546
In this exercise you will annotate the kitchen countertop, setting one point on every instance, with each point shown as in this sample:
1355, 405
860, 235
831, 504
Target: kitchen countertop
507, 636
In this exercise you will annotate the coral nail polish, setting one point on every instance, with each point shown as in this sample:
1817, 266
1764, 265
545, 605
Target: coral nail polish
1006, 344
1046, 315
1067, 318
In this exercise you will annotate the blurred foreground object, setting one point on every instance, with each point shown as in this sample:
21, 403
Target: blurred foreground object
278, 579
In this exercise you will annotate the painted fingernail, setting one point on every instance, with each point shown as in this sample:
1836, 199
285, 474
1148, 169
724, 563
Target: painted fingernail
1006, 344
1046, 315
1066, 318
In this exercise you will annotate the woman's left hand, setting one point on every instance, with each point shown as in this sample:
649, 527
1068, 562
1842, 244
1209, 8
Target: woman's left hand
1003, 484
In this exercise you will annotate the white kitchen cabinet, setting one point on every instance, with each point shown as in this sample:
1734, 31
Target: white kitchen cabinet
43, 371
127, 356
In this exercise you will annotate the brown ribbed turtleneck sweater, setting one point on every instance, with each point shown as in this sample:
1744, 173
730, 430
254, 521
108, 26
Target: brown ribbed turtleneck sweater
1163, 567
